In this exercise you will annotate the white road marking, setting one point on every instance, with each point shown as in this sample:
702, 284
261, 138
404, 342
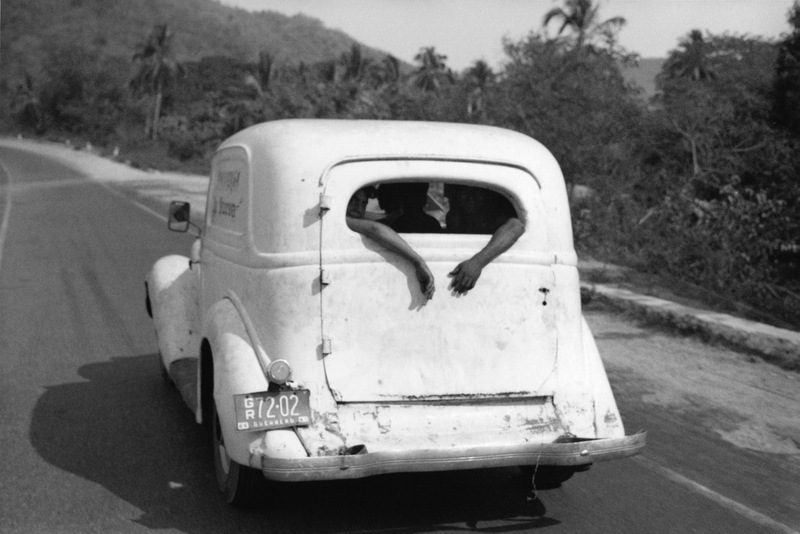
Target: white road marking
10, 188
730, 504
6, 211
46, 184
136, 203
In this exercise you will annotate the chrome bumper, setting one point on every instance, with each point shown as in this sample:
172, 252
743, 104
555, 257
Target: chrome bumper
575, 452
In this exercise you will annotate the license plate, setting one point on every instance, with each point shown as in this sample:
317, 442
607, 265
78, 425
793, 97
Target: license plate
269, 410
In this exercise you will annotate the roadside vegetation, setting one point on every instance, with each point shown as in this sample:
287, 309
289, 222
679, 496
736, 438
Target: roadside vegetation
698, 184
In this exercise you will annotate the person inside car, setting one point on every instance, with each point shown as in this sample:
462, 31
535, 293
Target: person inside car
410, 199
474, 210
387, 237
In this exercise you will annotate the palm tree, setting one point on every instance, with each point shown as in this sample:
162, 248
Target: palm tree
432, 72
581, 17
355, 64
157, 69
391, 69
690, 62
265, 69
478, 78
685, 66
30, 107
381, 75
261, 81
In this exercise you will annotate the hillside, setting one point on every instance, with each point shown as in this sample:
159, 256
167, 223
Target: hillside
644, 74
30, 29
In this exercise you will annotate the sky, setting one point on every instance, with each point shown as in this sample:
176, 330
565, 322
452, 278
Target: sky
468, 30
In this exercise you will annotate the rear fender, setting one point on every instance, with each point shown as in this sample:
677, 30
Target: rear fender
584, 401
608, 423
237, 361
235, 369
172, 291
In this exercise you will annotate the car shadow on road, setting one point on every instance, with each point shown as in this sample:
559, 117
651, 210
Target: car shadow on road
126, 430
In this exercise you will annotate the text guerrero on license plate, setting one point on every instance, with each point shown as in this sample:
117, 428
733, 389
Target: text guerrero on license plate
268, 410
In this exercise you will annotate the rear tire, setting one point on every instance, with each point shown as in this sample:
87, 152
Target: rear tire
147, 304
241, 485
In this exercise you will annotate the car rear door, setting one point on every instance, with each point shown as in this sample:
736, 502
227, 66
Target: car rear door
383, 341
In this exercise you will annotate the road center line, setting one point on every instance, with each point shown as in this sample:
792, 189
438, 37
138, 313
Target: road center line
730, 504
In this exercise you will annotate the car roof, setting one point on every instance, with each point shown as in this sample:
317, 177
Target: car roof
291, 159
321, 143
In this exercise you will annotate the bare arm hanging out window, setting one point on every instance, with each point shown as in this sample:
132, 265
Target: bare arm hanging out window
385, 236
474, 210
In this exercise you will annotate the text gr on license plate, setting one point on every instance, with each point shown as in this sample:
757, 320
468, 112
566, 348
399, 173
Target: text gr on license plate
268, 410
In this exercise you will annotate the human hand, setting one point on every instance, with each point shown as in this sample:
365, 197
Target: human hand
465, 275
425, 278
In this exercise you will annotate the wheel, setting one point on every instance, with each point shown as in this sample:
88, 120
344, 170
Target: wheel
147, 305
241, 485
550, 476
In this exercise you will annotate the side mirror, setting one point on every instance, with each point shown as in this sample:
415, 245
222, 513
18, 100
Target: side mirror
178, 219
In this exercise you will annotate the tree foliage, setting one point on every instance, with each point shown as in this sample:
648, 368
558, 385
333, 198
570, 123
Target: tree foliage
690, 61
581, 17
82, 93
786, 108
157, 68
699, 183
579, 106
432, 73
726, 215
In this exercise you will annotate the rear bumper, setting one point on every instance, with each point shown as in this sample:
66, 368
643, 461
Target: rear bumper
574, 452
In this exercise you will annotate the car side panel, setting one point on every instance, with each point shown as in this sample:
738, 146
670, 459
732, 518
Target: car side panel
173, 292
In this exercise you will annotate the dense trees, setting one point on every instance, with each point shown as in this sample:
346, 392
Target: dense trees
700, 182
578, 106
726, 213
787, 83
83, 92
157, 68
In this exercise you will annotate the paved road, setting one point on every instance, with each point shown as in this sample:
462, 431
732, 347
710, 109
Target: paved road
93, 441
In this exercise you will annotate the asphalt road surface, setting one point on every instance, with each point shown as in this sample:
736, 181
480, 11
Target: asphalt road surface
92, 440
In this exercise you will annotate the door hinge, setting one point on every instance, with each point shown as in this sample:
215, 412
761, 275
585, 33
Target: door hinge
324, 277
324, 204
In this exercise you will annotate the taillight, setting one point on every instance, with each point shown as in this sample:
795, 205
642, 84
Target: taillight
279, 371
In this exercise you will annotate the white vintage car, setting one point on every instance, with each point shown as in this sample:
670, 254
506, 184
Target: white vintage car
312, 352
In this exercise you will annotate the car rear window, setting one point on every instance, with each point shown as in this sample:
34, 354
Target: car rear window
437, 207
